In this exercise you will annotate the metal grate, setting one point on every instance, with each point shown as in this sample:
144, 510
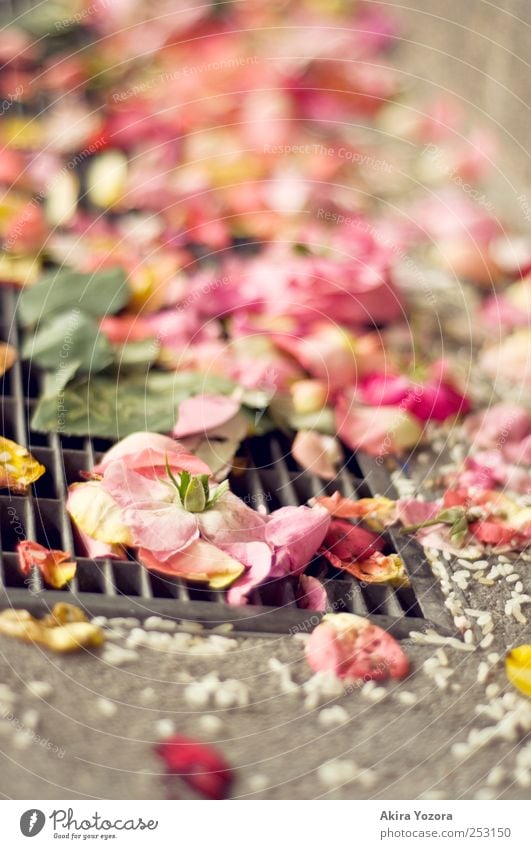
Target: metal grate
111, 587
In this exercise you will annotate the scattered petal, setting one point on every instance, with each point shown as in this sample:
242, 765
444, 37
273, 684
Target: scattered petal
518, 668
352, 647
202, 767
65, 629
18, 469
56, 567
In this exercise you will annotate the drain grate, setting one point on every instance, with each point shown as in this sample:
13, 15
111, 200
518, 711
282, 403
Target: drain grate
110, 587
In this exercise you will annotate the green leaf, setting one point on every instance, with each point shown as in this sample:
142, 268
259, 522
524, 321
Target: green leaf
136, 353
117, 402
111, 406
66, 336
96, 294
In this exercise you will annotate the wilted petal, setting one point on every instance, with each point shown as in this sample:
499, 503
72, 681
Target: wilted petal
96, 515
200, 561
352, 647
379, 569
345, 543
65, 629
295, 534
56, 567
149, 509
378, 512
18, 469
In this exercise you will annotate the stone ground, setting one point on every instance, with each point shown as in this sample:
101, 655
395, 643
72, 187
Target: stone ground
71, 745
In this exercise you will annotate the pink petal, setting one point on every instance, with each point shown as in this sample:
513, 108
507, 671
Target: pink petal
95, 549
203, 414
316, 452
498, 425
296, 534
311, 595
146, 453
257, 557
379, 430
231, 521
412, 512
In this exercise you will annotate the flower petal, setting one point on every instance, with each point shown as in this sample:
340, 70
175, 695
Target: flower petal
378, 430
56, 567
257, 557
317, 452
18, 469
231, 521
147, 453
352, 647
518, 668
65, 629
203, 414
295, 533
311, 594
96, 514
8, 356
345, 543
379, 569
378, 512
200, 561
202, 767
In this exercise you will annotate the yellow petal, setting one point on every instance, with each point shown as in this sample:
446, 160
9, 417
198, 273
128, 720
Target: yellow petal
19, 270
8, 356
107, 178
18, 469
65, 629
518, 668
97, 514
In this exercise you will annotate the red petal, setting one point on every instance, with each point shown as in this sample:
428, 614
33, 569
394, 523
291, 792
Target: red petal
492, 533
348, 542
202, 767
